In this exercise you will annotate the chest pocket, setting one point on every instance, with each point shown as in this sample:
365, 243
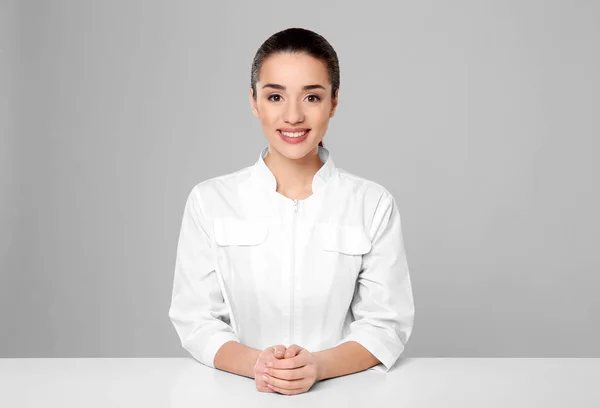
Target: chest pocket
344, 239
340, 259
241, 251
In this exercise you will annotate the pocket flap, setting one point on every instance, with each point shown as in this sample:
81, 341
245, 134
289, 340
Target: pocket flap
233, 231
347, 239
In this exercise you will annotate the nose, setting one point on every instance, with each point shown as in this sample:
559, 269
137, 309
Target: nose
293, 112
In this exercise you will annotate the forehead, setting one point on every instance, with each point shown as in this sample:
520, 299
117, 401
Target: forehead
293, 70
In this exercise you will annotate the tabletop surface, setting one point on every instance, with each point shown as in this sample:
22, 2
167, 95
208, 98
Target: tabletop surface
412, 382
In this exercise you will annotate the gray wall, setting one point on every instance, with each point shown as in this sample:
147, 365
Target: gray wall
8, 180
479, 116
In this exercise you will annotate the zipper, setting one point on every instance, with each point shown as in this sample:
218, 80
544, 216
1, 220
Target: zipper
292, 257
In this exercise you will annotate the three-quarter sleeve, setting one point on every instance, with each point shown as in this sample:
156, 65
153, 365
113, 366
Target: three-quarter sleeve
198, 310
383, 305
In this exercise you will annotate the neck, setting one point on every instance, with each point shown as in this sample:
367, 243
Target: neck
294, 176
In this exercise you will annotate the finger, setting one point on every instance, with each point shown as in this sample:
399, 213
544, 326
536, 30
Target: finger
278, 351
286, 392
288, 363
292, 351
294, 374
285, 384
264, 388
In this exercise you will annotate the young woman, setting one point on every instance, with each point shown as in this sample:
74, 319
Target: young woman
292, 270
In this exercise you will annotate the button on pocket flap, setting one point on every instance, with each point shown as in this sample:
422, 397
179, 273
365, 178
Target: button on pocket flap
232, 231
351, 240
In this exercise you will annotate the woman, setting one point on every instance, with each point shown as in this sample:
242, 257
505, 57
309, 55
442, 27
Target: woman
292, 250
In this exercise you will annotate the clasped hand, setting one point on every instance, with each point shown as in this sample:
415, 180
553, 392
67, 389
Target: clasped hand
286, 371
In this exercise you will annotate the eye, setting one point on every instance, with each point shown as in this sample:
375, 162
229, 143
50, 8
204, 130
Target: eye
314, 96
274, 95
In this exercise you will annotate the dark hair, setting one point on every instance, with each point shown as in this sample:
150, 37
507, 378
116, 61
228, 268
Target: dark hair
298, 40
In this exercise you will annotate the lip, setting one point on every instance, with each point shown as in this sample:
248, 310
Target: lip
293, 140
293, 129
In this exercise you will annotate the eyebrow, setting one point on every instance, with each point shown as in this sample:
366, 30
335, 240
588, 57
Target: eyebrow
304, 88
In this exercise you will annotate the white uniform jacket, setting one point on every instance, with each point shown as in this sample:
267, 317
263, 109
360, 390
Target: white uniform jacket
262, 269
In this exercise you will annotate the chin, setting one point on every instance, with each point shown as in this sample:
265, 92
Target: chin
294, 151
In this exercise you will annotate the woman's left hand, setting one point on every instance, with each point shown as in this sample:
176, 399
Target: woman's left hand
294, 374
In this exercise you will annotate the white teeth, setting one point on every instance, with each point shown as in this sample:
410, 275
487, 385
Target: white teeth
294, 134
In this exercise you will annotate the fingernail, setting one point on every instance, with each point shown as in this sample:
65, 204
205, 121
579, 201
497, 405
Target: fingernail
278, 352
266, 370
265, 378
270, 364
288, 354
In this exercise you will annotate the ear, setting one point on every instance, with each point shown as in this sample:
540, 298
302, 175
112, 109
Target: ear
334, 103
253, 103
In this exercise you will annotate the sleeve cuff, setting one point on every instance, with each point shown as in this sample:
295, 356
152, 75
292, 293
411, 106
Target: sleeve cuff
375, 347
214, 344
380, 368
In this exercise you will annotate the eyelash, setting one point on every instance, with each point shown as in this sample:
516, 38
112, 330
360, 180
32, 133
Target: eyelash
316, 96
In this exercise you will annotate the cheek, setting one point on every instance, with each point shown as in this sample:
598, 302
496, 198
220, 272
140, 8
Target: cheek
321, 118
268, 116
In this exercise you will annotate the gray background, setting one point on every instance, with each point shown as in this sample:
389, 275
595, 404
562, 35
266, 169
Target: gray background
477, 115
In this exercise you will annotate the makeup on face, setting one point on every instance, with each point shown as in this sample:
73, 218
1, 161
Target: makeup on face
293, 136
292, 102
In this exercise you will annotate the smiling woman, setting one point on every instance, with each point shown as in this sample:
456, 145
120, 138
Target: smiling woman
294, 86
292, 270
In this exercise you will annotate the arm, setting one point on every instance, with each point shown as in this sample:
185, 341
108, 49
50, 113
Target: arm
198, 311
237, 358
383, 306
347, 358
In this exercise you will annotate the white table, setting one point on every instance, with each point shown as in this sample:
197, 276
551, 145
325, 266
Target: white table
184, 382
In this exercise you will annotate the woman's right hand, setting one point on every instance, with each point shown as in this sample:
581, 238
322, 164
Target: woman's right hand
268, 354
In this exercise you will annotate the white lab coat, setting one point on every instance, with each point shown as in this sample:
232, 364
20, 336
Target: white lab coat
262, 269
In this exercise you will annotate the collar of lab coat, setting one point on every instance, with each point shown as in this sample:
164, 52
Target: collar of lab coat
264, 175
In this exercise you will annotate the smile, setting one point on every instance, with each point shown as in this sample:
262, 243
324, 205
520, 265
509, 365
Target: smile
294, 137
294, 134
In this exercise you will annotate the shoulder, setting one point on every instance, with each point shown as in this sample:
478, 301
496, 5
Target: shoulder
223, 182
362, 186
220, 185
